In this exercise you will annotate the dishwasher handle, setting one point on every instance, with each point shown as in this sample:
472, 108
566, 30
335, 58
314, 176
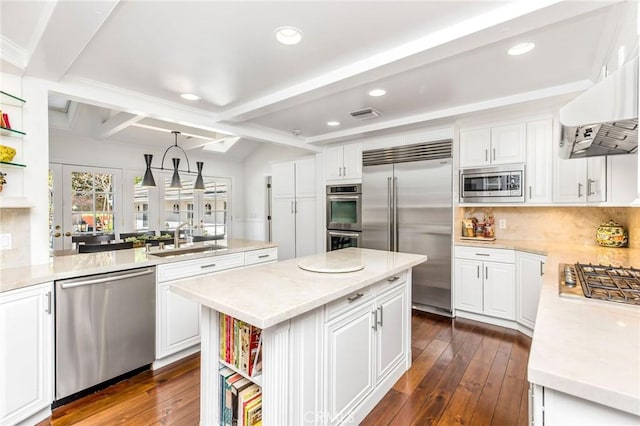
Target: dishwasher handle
106, 279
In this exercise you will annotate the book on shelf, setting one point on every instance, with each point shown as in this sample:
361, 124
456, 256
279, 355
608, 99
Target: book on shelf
228, 397
225, 373
5, 120
245, 397
240, 345
252, 412
236, 389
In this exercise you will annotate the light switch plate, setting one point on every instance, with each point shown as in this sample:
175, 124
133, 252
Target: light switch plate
5, 242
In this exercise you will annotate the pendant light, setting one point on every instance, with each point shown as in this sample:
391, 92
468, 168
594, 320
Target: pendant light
149, 181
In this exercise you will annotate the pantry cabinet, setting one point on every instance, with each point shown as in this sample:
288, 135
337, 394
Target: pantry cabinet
538, 167
530, 271
493, 146
343, 162
26, 354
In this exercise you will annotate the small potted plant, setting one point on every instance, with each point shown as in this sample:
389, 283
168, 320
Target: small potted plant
3, 180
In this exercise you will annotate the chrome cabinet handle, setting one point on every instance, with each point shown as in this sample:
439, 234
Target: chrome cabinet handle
355, 297
48, 310
530, 197
262, 256
292, 207
211, 265
486, 272
295, 207
389, 214
478, 271
375, 320
483, 254
339, 171
394, 278
107, 279
486, 155
494, 154
380, 319
541, 268
590, 183
579, 190
344, 171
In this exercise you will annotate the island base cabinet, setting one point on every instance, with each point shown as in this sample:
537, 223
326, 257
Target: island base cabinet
178, 325
26, 354
549, 407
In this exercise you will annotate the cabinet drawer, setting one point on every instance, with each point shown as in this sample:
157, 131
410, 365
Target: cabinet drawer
261, 256
205, 265
482, 253
349, 302
390, 283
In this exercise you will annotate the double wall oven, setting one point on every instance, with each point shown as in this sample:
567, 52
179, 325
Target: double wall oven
344, 216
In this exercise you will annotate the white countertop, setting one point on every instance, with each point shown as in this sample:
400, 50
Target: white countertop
268, 294
583, 347
77, 265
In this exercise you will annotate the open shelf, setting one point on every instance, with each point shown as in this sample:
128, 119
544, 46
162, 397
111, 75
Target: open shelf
8, 99
11, 132
257, 379
8, 163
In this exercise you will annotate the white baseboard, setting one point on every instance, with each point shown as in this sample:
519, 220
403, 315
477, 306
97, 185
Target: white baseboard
159, 363
36, 418
495, 321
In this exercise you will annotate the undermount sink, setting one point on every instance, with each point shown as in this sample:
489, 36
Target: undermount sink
188, 250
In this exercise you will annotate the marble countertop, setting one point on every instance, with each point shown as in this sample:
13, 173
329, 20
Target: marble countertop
268, 294
583, 347
77, 265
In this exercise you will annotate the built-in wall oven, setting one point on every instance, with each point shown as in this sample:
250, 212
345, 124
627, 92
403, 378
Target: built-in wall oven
344, 216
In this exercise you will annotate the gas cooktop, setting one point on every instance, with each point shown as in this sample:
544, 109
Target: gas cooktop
610, 283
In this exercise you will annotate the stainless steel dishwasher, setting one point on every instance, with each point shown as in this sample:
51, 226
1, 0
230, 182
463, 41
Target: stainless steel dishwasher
105, 327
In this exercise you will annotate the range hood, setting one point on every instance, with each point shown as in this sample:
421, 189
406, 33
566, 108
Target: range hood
604, 119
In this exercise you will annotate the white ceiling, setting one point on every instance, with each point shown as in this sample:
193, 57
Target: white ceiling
436, 59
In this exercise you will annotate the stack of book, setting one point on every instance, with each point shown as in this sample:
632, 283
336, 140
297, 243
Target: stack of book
240, 345
240, 400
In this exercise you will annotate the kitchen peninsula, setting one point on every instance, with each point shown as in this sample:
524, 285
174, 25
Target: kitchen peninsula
333, 343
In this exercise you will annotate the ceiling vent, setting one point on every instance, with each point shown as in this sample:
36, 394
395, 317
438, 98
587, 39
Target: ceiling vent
365, 113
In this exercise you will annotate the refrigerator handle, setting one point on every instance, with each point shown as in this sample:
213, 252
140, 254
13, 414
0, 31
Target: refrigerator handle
395, 214
389, 216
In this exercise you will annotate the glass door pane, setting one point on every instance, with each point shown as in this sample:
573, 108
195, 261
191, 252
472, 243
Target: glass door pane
215, 201
179, 207
140, 205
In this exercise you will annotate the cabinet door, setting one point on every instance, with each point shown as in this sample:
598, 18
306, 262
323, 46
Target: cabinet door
283, 226
528, 284
468, 285
596, 179
333, 159
622, 173
178, 322
349, 357
26, 352
499, 290
474, 147
352, 161
305, 226
283, 180
508, 144
538, 167
569, 182
391, 331
306, 177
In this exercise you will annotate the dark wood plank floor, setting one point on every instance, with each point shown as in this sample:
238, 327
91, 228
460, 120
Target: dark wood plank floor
463, 372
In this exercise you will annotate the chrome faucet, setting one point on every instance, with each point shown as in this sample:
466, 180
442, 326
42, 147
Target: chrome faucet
176, 235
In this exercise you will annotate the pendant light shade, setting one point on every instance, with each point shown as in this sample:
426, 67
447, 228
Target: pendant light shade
148, 179
175, 179
199, 185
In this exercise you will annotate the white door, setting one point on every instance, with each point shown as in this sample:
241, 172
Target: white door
538, 167
57, 235
529, 282
305, 177
499, 290
349, 369
508, 144
26, 352
569, 181
283, 223
474, 147
596, 179
391, 331
283, 180
333, 162
178, 319
352, 161
468, 285
305, 226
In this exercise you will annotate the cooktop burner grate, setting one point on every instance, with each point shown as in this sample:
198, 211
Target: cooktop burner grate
611, 283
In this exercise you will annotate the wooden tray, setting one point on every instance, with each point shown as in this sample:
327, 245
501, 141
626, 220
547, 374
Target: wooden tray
483, 239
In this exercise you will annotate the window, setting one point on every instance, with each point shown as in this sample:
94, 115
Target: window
140, 205
92, 202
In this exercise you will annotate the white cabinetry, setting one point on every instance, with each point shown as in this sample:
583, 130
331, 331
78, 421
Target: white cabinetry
364, 344
530, 270
622, 172
485, 281
294, 207
343, 162
580, 180
493, 146
538, 166
26, 354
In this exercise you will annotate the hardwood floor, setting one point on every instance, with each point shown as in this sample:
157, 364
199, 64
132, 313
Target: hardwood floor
463, 372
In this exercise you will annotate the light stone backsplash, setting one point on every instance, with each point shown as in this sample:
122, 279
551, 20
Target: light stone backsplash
16, 222
566, 224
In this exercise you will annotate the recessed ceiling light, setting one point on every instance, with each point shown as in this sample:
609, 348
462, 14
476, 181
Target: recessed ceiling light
190, 96
377, 92
521, 48
333, 123
288, 35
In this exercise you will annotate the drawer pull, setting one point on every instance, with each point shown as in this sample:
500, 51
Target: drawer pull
375, 320
394, 278
262, 256
355, 297
483, 254
212, 265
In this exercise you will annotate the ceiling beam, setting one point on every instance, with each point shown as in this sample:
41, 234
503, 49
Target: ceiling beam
117, 123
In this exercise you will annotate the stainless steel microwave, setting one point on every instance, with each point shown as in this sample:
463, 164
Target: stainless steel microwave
503, 184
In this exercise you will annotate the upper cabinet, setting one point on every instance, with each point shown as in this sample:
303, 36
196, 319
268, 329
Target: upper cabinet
622, 174
538, 168
493, 146
580, 180
343, 162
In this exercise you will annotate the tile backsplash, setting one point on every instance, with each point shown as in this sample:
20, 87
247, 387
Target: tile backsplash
566, 224
17, 223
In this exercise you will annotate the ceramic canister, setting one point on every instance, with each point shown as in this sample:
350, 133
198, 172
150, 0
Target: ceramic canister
612, 234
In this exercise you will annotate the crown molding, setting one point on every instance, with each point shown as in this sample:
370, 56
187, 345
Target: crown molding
13, 53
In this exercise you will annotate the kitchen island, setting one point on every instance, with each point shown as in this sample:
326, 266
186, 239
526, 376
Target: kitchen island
332, 343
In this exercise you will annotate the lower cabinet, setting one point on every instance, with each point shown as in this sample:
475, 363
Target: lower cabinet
26, 353
530, 270
363, 345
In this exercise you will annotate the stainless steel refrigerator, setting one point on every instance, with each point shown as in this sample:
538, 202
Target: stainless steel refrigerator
407, 207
